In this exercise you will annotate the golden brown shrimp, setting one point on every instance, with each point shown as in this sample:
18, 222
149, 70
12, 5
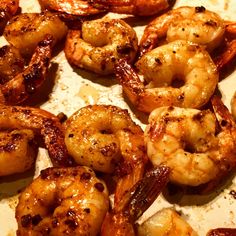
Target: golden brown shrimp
233, 106
195, 24
134, 7
187, 140
100, 44
120, 220
71, 7
222, 232
63, 201
177, 74
41, 122
24, 84
17, 152
165, 222
11, 63
26, 30
8, 8
102, 137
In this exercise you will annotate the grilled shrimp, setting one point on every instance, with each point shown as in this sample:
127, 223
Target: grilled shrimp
11, 63
177, 74
8, 8
24, 84
71, 7
187, 140
195, 24
26, 30
102, 137
63, 201
165, 222
120, 220
40, 122
100, 43
233, 105
134, 7
17, 152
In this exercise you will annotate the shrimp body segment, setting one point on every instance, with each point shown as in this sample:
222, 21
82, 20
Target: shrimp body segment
40, 122
24, 84
135, 7
8, 8
177, 74
100, 44
233, 105
186, 140
26, 30
17, 153
106, 139
195, 24
63, 201
164, 223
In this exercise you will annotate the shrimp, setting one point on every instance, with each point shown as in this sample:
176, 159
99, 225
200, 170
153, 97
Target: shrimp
100, 44
26, 30
233, 106
8, 9
11, 63
222, 232
40, 122
17, 152
177, 74
135, 7
165, 222
72, 7
187, 140
102, 137
120, 220
62, 201
24, 84
195, 24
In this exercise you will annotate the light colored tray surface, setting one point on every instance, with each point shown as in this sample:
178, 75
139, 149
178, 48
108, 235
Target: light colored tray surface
75, 89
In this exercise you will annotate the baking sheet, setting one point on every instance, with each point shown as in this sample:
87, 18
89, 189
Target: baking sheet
68, 89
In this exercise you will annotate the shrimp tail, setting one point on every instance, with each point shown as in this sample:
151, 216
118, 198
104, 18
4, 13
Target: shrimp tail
120, 220
226, 56
224, 117
222, 232
27, 83
129, 80
144, 193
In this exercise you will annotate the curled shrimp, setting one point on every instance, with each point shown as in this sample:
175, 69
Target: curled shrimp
40, 122
8, 9
100, 43
26, 30
11, 63
176, 74
233, 106
24, 84
164, 223
101, 137
135, 7
17, 152
187, 140
63, 201
195, 24
71, 7
120, 220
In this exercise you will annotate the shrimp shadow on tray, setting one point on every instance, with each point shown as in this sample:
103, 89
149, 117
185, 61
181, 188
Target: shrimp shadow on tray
104, 80
11, 185
42, 95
